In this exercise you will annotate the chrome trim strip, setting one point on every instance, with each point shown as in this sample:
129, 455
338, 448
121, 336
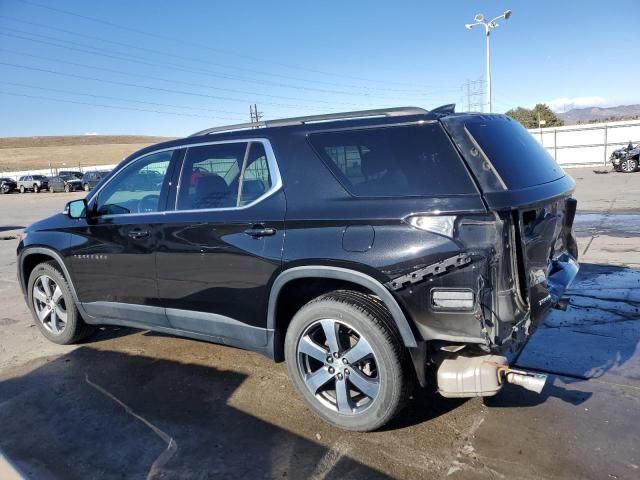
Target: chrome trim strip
274, 171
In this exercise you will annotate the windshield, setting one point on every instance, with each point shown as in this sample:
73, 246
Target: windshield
519, 159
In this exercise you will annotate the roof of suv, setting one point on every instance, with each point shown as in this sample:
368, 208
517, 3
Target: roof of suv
362, 118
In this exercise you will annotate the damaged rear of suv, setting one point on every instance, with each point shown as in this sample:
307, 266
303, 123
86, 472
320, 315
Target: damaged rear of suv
364, 248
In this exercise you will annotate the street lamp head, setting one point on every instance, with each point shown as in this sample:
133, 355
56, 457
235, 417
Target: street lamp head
479, 17
468, 26
507, 14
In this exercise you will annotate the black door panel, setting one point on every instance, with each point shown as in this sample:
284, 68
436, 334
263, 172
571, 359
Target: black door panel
208, 263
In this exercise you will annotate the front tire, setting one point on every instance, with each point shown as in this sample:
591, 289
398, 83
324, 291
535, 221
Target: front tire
22, 190
67, 188
629, 165
346, 360
53, 308
86, 187
36, 189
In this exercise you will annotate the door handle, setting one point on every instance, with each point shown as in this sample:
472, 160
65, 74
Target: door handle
137, 233
257, 231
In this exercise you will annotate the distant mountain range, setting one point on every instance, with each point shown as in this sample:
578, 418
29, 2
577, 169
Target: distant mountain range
600, 114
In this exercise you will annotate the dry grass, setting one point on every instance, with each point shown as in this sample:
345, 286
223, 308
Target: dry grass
25, 153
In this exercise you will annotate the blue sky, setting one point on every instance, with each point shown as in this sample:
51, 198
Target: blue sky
172, 68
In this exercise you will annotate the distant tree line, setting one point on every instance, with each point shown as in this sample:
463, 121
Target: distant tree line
540, 115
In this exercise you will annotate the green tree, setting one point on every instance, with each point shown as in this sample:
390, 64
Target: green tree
531, 118
524, 116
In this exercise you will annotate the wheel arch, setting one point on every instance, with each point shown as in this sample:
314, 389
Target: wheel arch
342, 275
30, 257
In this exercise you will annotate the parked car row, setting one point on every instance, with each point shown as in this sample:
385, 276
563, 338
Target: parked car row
65, 181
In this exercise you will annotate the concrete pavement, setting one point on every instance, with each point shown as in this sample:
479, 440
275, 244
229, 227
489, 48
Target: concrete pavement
130, 404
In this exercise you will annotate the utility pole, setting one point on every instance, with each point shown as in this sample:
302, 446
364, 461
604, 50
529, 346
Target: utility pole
254, 113
488, 27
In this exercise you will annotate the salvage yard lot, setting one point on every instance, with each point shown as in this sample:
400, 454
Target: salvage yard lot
136, 404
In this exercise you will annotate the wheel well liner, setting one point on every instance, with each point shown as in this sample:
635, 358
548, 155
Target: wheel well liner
340, 274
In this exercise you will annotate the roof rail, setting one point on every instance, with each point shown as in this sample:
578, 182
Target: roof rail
381, 112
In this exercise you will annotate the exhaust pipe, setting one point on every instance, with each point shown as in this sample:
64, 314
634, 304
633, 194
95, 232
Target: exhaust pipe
533, 382
483, 376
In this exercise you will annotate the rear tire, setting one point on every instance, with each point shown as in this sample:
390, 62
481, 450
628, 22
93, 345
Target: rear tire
86, 187
357, 380
52, 306
51, 190
36, 189
67, 188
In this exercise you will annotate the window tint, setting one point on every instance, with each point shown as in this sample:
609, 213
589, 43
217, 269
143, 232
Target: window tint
212, 174
256, 179
137, 188
519, 158
394, 161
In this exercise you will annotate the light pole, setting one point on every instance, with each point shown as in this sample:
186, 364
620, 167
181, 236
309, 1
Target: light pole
488, 26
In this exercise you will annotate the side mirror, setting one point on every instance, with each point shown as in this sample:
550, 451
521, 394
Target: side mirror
76, 209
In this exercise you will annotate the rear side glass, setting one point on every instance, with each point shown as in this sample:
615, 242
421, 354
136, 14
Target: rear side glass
210, 176
416, 160
519, 159
256, 179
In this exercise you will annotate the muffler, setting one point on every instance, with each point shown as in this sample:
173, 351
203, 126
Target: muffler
482, 376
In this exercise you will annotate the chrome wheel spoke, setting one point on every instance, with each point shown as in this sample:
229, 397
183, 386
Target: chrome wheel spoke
43, 313
311, 348
53, 322
368, 386
46, 285
330, 329
57, 294
61, 314
317, 379
358, 352
39, 294
343, 400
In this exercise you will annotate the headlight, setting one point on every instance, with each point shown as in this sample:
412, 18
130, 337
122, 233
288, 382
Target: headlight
440, 224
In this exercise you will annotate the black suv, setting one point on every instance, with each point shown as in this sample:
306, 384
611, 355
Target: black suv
366, 249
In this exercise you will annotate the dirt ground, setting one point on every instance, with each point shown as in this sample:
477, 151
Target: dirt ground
135, 404
68, 152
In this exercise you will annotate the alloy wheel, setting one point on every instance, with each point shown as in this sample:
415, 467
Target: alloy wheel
49, 304
628, 165
338, 366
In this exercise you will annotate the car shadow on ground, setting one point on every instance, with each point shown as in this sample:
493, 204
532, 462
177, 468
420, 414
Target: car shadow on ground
596, 337
7, 228
105, 414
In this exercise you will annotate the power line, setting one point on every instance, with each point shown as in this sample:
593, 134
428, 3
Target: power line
129, 100
147, 87
151, 77
39, 97
208, 73
207, 61
200, 45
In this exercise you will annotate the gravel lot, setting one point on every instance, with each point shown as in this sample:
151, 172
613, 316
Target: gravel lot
132, 404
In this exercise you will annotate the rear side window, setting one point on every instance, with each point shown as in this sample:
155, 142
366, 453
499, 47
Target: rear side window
416, 160
520, 160
224, 175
